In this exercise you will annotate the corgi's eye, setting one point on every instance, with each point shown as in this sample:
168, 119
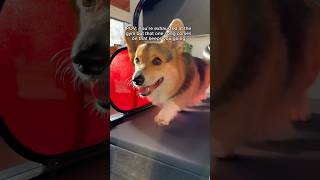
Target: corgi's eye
156, 61
88, 3
137, 61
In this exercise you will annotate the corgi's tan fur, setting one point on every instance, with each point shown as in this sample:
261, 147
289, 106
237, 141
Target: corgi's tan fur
176, 79
266, 57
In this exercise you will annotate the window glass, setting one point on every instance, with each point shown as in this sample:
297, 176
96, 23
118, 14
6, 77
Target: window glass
117, 29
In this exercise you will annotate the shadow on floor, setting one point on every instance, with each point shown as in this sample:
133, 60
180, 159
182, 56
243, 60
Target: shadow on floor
295, 159
95, 168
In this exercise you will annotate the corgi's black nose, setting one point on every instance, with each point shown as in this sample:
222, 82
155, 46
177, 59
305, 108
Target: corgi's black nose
91, 61
138, 80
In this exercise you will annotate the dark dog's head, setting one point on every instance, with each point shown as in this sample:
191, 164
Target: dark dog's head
90, 49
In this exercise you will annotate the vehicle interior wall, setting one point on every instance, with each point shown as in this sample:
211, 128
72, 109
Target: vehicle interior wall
120, 14
199, 43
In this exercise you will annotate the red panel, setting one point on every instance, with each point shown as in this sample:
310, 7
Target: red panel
47, 114
122, 93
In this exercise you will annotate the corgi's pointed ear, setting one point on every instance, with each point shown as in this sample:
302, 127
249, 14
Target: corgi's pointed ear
174, 37
133, 40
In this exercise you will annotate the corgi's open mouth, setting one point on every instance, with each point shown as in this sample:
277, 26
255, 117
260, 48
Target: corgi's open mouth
147, 90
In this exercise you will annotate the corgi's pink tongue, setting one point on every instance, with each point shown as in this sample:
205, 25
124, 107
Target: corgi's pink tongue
146, 91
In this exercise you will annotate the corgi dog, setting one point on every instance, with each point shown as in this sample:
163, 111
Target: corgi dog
168, 77
266, 56
90, 50
86, 62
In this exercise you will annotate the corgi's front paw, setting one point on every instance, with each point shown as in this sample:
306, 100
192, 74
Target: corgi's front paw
163, 119
300, 112
165, 116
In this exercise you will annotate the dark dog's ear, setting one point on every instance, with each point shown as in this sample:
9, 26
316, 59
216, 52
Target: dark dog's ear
174, 37
133, 40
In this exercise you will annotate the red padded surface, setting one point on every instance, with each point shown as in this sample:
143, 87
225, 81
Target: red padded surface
122, 93
42, 114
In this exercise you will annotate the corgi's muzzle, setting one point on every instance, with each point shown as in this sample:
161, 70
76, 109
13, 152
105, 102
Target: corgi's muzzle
138, 79
146, 90
91, 61
90, 50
